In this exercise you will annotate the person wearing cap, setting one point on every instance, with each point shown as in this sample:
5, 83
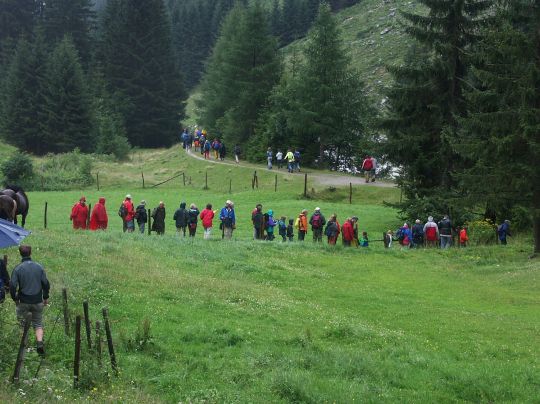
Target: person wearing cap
29, 289
79, 214
228, 220
317, 222
99, 219
302, 225
128, 219
158, 214
141, 216
418, 234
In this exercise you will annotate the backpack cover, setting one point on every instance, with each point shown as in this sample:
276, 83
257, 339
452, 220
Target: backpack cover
316, 221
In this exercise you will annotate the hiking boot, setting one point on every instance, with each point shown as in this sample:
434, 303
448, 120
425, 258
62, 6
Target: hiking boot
40, 348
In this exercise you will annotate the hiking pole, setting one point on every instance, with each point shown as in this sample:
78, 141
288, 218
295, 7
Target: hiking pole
222, 230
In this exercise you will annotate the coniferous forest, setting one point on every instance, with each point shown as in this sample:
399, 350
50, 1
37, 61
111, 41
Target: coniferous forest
461, 121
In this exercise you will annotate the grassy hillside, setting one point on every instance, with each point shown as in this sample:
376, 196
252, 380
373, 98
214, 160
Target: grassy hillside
375, 38
246, 321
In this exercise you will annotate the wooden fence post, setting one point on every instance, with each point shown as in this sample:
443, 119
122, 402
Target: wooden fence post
275, 185
87, 324
206, 180
109, 340
45, 216
66, 311
305, 185
142, 175
97, 180
230, 185
149, 221
77, 355
350, 192
184, 178
22, 348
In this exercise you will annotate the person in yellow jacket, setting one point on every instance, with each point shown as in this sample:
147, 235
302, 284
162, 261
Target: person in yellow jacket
290, 160
301, 224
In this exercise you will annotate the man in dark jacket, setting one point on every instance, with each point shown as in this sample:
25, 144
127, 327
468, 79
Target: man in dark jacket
181, 219
159, 219
504, 230
257, 218
445, 232
141, 216
418, 234
29, 290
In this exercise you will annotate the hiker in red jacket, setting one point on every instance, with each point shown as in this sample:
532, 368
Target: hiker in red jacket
128, 219
367, 166
79, 214
347, 232
207, 215
99, 218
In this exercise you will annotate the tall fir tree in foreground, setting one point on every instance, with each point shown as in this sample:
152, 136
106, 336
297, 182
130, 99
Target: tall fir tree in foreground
426, 100
23, 101
501, 132
140, 66
241, 72
328, 110
67, 122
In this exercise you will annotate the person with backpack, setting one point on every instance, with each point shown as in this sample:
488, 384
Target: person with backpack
181, 219
347, 232
317, 222
79, 214
228, 220
141, 216
279, 159
302, 225
257, 218
127, 213
222, 151
503, 231
355, 241
270, 224
99, 219
290, 164
290, 230
282, 228
206, 148
237, 153
158, 214
193, 215
297, 159
216, 146
445, 232
404, 236
332, 230
367, 167
418, 234
269, 157
431, 232
207, 216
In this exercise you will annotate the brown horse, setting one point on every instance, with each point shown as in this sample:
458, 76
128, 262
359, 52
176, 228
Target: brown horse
8, 208
20, 200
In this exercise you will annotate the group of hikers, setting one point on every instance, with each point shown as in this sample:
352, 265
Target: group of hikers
201, 142
291, 158
266, 224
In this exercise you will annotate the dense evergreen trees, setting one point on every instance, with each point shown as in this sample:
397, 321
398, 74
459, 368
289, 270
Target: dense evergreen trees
241, 72
139, 64
500, 135
426, 100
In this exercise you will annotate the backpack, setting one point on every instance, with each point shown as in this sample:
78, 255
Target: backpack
122, 211
400, 235
331, 229
368, 164
207, 146
316, 221
282, 225
431, 233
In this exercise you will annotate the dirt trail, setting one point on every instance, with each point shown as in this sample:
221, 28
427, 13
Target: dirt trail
321, 179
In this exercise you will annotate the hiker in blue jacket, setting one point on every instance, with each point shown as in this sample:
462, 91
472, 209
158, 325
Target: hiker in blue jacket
504, 230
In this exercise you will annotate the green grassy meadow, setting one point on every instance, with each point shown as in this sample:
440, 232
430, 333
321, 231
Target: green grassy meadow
246, 321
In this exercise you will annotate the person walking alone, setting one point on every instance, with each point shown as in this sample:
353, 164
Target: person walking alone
29, 289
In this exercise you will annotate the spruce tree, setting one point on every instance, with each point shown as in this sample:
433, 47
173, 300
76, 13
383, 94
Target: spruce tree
17, 19
328, 108
22, 113
140, 66
67, 124
241, 72
501, 132
70, 17
425, 101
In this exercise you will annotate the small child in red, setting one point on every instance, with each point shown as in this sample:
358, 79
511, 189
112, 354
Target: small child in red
463, 237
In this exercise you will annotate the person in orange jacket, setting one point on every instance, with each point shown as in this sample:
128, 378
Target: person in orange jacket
99, 219
302, 225
463, 237
79, 214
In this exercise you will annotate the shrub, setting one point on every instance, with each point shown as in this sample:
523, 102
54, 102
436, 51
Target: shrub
112, 139
67, 171
482, 232
19, 170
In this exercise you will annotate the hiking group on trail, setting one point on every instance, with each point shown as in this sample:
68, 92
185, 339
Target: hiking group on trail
267, 224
